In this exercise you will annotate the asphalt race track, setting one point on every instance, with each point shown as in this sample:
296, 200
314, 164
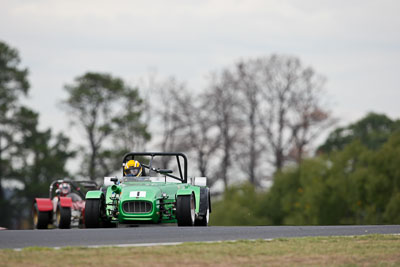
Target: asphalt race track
173, 234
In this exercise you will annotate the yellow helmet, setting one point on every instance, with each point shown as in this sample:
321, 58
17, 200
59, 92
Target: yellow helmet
133, 168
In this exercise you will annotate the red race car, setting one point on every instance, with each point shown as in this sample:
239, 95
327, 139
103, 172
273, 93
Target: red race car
65, 206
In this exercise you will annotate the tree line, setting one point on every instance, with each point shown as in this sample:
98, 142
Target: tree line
29, 157
252, 119
354, 179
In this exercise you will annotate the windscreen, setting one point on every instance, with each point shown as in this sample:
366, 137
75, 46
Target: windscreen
161, 167
153, 179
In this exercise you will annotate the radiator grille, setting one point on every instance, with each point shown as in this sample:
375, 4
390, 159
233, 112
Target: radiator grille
137, 206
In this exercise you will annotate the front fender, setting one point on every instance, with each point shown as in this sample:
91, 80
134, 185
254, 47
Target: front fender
66, 202
94, 194
184, 192
44, 204
188, 191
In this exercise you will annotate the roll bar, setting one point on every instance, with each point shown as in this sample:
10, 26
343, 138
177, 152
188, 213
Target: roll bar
178, 155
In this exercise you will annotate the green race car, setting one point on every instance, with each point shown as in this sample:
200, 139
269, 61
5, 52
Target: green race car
159, 195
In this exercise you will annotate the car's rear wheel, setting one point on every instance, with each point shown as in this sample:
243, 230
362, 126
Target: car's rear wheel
40, 218
92, 213
63, 217
185, 210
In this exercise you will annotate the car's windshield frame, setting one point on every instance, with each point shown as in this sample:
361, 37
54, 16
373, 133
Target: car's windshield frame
182, 173
151, 179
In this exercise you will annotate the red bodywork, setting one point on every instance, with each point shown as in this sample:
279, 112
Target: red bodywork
44, 204
73, 201
66, 202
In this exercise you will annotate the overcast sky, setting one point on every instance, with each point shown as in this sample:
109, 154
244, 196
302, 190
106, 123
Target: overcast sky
354, 44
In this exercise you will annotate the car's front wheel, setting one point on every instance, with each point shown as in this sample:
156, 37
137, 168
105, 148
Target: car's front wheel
205, 219
40, 218
185, 210
92, 213
205, 208
63, 217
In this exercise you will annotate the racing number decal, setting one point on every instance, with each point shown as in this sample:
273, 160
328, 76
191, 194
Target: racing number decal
137, 194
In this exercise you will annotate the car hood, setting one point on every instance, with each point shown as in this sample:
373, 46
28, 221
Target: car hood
147, 191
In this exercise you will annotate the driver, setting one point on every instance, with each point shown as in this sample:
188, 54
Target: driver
64, 189
133, 168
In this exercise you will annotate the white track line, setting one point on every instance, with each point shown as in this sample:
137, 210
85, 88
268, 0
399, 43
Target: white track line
152, 244
178, 243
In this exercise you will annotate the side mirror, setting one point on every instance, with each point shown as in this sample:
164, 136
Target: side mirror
114, 179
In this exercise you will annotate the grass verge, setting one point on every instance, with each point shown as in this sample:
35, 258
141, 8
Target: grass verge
369, 250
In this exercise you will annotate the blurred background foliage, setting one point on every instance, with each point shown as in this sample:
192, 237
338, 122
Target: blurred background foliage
358, 184
30, 158
251, 131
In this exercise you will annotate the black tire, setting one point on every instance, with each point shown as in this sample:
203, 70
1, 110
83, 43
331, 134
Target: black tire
41, 219
185, 210
92, 213
204, 220
205, 208
63, 217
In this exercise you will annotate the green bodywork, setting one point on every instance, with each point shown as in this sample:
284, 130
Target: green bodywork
93, 195
161, 195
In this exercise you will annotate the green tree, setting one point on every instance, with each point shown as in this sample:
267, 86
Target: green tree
104, 106
240, 205
130, 131
358, 184
27, 155
13, 84
387, 164
42, 159
373, 131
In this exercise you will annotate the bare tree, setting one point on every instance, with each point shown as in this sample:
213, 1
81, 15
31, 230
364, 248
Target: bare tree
291, 115
273, 107
165, 111
261, 113
309, 118
247, 87
187, 126
148, 88
223, 108
202, 139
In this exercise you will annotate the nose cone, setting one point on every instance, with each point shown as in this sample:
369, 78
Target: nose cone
140, 192
139, 204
